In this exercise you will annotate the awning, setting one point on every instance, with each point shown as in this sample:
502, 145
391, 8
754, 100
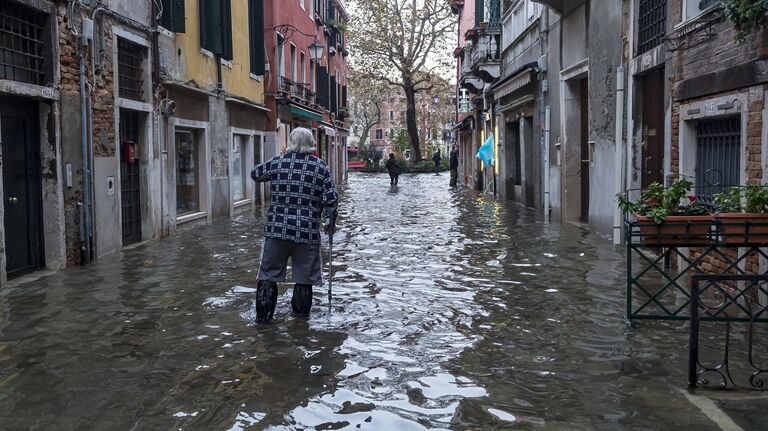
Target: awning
301, 112
514, 84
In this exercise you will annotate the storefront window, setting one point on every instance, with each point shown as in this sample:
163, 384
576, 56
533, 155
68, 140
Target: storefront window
238, 169
187, 174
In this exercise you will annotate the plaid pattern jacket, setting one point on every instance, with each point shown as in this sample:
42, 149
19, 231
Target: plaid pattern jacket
302, 190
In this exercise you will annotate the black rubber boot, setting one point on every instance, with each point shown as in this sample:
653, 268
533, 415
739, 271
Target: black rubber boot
266, 300
301, 302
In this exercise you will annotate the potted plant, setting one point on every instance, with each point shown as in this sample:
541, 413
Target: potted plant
669, 215
743, 216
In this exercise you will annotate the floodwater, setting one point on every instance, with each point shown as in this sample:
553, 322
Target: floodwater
449, 311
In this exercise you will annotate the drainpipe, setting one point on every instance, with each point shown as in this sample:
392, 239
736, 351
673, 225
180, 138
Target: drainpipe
544, 42
84, 125
546, 162
618, 174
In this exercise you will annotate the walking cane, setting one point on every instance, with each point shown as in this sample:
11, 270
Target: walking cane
331, 229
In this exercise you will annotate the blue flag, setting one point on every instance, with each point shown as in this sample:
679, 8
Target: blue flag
485, 153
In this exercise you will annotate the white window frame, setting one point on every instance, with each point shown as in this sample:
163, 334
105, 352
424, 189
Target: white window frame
201, 133
312, 75
280, 55
292, 53
303, 65
303, 5
684, 19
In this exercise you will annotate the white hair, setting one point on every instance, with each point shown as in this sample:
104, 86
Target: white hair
301, 141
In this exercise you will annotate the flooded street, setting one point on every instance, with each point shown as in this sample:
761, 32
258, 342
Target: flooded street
449, 311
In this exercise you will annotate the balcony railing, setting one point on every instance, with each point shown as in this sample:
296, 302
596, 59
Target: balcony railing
296, 91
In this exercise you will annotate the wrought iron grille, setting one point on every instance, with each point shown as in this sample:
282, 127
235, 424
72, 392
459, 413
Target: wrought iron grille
21, 45
130, 57
130, 185
652, 24
717, 153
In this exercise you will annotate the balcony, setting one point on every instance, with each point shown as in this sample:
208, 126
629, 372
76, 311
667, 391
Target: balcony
562, 7
288, 90
485, 61
468, 79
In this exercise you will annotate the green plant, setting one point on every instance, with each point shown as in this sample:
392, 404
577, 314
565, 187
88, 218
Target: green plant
747, 15
342, 26
659, 202
750, 199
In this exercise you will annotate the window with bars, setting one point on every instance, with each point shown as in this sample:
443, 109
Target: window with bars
21, 43
652, 22
718, 148
130, 73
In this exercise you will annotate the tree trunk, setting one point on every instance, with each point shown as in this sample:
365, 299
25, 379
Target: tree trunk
410, 117
364, 136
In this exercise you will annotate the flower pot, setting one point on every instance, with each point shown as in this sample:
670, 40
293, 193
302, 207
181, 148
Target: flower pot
744, 228
675, 230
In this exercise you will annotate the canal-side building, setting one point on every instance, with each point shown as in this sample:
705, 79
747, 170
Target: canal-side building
306, 76
35, 213
212, 111
520, 104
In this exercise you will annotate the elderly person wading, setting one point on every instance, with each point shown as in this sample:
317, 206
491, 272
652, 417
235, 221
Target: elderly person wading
302, 191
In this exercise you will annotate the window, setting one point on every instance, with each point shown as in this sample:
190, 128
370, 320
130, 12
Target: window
21, 43
379, 134
311, 8
312, 75
216, 27
407, 154
694, 8
130, 70
391, 115
187, 174
173, 15
303, 67
303, 4
392, 133
256, 36
239, 144
652, 22
280, 55
293, 62
718, 144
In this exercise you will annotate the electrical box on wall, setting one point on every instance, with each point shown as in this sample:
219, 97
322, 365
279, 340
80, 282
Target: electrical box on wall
110, 186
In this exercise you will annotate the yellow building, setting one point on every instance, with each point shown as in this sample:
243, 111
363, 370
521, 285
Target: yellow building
212, 106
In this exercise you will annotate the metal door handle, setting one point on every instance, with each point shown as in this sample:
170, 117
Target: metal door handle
648, 171
13, 200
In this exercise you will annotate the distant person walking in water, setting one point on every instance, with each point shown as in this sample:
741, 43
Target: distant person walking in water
437, 159
454, 165
302, 190
394, 170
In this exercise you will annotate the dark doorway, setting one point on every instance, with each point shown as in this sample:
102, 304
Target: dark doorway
585, 150
653, 128
528, 158
512, 160
130, 177
21, 188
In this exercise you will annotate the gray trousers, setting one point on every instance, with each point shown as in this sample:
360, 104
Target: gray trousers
306, 262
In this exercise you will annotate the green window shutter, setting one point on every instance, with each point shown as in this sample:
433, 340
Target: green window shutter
179, 19
226, 29
173, 17
207, 28
256, 36
479, 12
216, 27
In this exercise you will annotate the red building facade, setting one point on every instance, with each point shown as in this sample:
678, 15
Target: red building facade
302, 88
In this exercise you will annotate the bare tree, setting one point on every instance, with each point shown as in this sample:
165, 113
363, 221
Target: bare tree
403, 43
366, 97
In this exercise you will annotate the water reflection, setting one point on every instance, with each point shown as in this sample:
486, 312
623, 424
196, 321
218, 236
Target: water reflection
450, 311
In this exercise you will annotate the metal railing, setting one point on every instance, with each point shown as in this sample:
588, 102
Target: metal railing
297, 91
733, 304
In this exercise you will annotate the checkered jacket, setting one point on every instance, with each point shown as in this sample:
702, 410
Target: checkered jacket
302, 190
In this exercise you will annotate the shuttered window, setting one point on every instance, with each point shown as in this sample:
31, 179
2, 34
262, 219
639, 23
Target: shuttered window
173, 15
256, 35
216, 27
322, 88
334, 101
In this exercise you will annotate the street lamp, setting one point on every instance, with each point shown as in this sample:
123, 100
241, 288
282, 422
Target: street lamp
316, 51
